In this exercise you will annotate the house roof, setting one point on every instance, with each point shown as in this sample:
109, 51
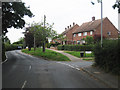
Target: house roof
88, 26
63, 33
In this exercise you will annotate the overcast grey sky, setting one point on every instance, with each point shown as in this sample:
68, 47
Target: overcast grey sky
64, 12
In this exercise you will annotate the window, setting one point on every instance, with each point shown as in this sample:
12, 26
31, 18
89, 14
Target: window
78, 42
91, 32
85, 34
74, 35
109, 33
79, 34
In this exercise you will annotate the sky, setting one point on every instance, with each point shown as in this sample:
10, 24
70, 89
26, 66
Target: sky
64, 12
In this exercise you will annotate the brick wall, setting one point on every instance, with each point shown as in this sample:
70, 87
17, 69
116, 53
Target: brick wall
69, 34
107, 27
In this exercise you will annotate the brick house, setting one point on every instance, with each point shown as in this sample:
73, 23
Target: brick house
94, 28
68, 34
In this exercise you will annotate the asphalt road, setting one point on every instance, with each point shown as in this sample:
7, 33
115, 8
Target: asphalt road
25, 71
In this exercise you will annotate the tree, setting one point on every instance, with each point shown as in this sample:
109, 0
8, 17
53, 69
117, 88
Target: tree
6, 40
40, 33
117, 5
13, 14
97, 37
20, 41
29, 38
89, 40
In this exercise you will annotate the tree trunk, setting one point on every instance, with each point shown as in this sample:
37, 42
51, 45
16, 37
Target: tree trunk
44, 46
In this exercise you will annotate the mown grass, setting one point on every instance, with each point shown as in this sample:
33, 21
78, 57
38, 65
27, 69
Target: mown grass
87, 56
48, 54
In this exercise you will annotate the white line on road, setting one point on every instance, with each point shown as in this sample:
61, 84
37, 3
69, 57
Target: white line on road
30, 67
24, 84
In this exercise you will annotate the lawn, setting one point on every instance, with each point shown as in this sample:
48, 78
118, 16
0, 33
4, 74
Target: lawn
50, 55
87, 56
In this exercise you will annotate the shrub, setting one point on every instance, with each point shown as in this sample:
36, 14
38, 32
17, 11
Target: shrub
107, 56
75, 47
9, 47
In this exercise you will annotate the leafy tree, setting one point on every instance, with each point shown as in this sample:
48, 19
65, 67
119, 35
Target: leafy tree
13, 14
29, 39
89, 40
6, 40
117, 5
20, 41
97, 37
40, 33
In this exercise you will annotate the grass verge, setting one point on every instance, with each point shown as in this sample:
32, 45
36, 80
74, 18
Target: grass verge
48, 54
87, 56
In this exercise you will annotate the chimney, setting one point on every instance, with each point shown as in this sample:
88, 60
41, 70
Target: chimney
68, 27
73, 23
65, 28
93, 18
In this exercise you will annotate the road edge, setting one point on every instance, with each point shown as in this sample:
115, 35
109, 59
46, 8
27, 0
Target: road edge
91, 74
5, 59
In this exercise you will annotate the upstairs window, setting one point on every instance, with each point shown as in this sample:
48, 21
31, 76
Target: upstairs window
91, 32
85, 34
79, 34
109, 33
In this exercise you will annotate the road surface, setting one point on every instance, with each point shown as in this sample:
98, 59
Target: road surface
25, 71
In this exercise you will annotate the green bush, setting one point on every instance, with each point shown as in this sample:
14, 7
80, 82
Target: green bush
75, 47
9, 47
106, 57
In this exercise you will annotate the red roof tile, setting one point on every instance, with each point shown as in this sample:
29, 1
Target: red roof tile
88, 26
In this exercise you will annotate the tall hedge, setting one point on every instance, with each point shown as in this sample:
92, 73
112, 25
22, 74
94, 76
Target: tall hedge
106, 57
75, 47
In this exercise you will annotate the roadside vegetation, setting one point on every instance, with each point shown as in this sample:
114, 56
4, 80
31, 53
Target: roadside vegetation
107, 57
87, 56
48, 54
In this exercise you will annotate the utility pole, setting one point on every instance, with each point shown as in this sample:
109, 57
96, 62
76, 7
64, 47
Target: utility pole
101, 23
44, 36
100, 1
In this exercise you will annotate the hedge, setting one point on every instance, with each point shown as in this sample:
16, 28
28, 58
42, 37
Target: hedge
9, 47
106, 57
75, 47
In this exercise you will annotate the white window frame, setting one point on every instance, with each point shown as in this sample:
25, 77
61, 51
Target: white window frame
79, 34
78, 42
74, 35
85, 34
91, 32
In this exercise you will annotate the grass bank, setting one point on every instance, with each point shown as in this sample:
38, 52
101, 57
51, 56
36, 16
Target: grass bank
50, 55
87, 56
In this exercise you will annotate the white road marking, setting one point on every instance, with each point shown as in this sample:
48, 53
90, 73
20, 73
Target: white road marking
24, 84
30, 67
77, 68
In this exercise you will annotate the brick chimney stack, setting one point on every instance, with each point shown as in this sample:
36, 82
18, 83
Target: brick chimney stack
65, 28
68, 27
93, 18
73, 23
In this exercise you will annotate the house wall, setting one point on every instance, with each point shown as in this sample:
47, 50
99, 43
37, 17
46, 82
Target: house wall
77, 38
69, 34
107, 27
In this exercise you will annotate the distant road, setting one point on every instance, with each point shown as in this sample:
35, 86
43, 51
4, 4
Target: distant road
25, 71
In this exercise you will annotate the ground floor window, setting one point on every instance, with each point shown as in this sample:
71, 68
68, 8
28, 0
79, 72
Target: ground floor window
78, 42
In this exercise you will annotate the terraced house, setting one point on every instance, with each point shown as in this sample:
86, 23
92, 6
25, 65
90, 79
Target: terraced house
75, 34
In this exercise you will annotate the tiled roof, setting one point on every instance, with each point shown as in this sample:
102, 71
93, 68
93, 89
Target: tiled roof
63, 33
88, 26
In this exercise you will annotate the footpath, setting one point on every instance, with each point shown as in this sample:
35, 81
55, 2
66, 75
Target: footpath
112, 81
